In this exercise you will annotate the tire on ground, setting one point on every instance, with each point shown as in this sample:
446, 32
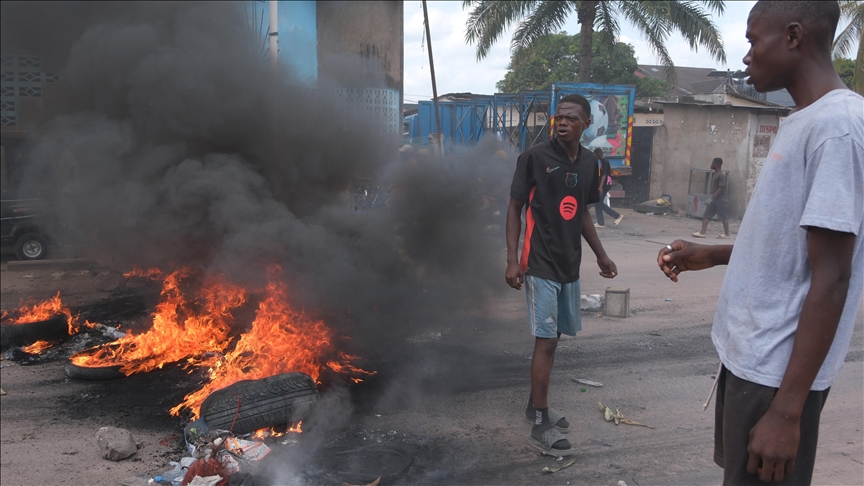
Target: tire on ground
92, 373
250, 405
31, 246
53, 329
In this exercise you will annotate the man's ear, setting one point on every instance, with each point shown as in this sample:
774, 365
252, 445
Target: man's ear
794, 32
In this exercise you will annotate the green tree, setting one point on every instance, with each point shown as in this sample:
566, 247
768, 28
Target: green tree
555, 58
489, 19
845, 69
853, 11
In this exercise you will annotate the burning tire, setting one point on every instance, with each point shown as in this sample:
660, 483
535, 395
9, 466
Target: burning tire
23, 334
250, 405
92, 373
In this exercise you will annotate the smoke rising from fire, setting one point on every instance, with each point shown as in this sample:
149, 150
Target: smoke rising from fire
164, 155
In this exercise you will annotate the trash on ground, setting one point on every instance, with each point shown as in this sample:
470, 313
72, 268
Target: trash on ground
109, 281
551, 470
373, 483
215, 480
622, 483
2, 392
591, 303
588, 382
618, 417
246, 449
432, 336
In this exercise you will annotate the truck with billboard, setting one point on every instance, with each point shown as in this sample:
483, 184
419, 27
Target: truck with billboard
527, 118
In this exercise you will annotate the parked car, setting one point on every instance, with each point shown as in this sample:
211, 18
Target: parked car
21, 228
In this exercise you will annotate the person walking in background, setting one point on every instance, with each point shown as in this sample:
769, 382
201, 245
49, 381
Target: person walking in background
786, 312
605, 185
718, 202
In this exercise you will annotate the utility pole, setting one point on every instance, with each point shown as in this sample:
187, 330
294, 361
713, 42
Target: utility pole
273, 37
273, 44
439, 142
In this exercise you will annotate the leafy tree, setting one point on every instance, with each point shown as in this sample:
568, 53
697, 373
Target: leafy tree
649, 87
845, 69
853, 11
537, 18
555, 58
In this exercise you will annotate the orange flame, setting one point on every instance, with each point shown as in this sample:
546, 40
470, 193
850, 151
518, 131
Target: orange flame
180, 329
281, 340
38, 347
40, 312
151, 273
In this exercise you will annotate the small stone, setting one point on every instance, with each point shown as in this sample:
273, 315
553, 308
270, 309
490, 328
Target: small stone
115, 444
134, 481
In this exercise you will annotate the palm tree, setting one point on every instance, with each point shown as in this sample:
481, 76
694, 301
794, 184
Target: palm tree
489, 19
853, 11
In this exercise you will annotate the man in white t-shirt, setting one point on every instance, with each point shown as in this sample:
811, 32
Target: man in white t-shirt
787, 308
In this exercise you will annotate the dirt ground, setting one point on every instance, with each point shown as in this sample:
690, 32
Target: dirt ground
451, 403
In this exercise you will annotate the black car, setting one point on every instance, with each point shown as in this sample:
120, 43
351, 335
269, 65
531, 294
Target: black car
20, 227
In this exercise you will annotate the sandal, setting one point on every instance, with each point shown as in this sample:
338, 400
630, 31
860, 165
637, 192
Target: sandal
547, 442
556, 417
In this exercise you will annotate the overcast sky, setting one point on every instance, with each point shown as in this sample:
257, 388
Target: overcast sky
457, 69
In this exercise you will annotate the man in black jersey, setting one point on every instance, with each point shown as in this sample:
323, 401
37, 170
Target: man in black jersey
558, 179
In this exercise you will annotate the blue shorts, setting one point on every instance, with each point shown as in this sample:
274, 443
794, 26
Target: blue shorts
553, 307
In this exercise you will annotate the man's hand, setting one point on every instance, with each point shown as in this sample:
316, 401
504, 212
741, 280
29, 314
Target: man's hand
686, 256
773, 446
607, 267
514, 275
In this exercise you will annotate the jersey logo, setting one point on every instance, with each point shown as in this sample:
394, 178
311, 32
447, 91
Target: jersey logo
571, 179
550, 170
568, 207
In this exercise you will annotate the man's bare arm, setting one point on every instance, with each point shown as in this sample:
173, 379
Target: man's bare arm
774, 440
514, 275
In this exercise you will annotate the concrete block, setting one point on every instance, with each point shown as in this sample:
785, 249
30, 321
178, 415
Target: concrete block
617, 302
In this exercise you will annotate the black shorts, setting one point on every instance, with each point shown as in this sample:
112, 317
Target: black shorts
718, 207
740, 404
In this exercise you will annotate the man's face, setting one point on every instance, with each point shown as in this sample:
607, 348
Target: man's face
769, 60
570, 121
714, 166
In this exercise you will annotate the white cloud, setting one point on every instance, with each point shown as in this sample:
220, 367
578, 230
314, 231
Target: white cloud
457, 69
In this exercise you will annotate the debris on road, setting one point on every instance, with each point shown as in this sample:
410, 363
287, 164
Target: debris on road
591, 303
373, 483
552, 470
247, 449
115, 444
588, 382
618, 417
215, 480
110, 281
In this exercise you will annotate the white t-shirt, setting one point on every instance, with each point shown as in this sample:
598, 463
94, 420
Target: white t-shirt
813, 176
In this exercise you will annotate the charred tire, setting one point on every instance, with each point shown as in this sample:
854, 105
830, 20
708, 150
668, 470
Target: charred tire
92, 374
250, 405
53, 329
31, 246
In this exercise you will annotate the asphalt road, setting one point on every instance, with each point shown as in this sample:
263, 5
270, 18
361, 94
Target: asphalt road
454, 402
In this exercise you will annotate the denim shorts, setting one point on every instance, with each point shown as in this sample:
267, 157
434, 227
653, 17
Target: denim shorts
553, 307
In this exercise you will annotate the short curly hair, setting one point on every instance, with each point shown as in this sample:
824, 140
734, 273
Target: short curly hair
577, 100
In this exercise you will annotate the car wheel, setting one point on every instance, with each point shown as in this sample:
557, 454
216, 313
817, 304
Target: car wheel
31, 246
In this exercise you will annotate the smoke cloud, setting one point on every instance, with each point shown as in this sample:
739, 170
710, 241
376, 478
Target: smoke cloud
171, 146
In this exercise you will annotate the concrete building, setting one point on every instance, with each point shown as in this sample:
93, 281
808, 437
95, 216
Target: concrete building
692, 132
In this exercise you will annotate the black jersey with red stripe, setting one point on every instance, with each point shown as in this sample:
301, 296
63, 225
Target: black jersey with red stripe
558, 193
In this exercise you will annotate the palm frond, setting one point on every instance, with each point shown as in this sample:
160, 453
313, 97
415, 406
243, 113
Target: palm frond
609, 29
548, 16
649, 18
854, 11
489, 19
697, 28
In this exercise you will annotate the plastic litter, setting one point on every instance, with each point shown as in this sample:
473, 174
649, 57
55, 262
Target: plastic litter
588, 382
618, 417
551, 470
